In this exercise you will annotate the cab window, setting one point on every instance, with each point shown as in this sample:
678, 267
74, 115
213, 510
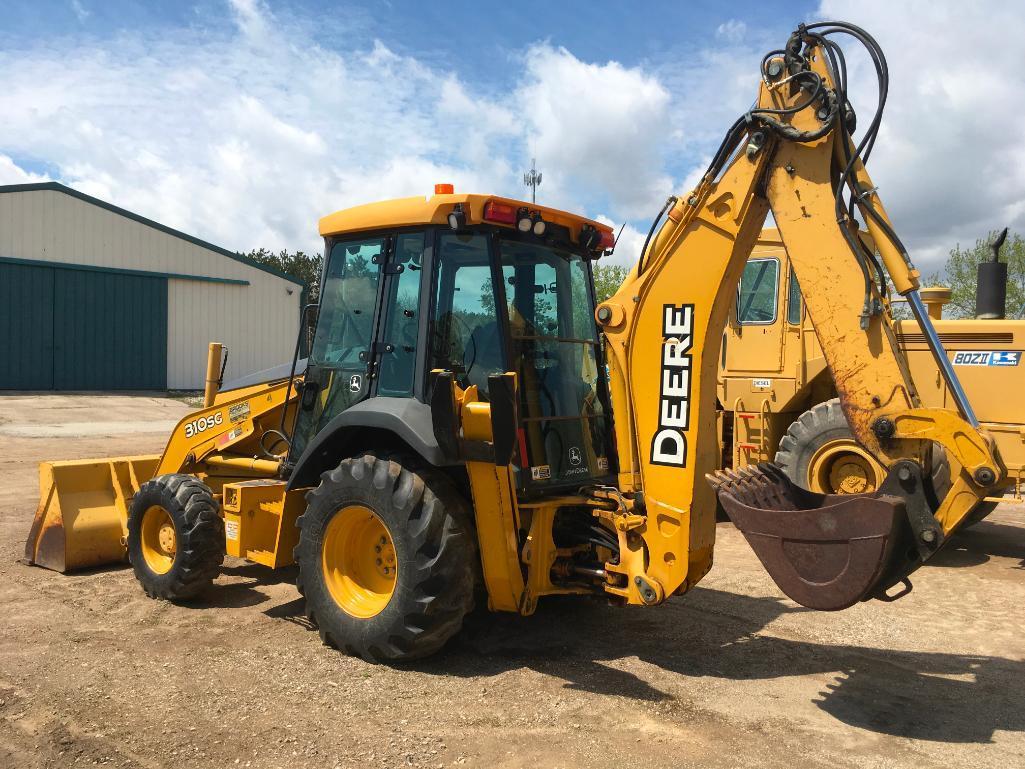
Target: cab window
464, 336
757, 293
401, 319
794, 302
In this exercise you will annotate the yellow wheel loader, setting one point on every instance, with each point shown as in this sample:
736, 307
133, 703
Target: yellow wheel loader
454, 431
779, 401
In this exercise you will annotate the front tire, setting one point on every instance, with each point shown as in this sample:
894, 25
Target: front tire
175, 537
387, 558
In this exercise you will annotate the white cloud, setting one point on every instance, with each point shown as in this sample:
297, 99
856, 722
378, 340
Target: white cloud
251, 16
12, 173
629, 244
732, 31
247, 137
597, 126
81, 12
950, 159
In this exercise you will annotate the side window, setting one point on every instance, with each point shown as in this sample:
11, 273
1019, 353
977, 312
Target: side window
794, 304
465, 337
335, 375
757, 294
345, 327
402, 318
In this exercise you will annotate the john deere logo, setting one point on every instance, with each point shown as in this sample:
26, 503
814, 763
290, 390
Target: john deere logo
574, 456
355, 383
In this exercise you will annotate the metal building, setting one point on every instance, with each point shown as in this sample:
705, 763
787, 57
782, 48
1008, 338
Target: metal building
94, 297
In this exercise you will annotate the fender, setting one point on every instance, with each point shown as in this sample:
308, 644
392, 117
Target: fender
407, 419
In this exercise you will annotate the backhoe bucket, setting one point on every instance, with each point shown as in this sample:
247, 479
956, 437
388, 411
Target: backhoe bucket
824, 551
82, 516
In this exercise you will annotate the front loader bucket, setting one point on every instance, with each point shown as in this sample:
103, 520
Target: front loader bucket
825, 552
82, 516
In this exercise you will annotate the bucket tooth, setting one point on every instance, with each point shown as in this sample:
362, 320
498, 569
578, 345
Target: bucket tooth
824, 551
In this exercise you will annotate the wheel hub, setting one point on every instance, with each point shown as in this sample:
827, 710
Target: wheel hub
849, 477
358, 561
158, 539
843, 467
166, 539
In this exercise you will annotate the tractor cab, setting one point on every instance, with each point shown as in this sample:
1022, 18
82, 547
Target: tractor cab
473, 286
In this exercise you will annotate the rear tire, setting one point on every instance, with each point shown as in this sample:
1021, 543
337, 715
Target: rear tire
387, 558
175, 537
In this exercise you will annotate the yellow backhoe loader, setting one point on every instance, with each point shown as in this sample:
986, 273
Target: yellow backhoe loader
454, 428
779, 401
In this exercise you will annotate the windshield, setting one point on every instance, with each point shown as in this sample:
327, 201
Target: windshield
554, 342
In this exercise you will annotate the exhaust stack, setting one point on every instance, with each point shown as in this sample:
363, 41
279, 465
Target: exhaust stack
991, 294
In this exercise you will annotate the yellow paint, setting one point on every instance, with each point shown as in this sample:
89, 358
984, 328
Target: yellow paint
843, 467
696, 260
213, 373
158, 540
259, 521
795, 367
82, 517
494, 508
358, 562
408, 212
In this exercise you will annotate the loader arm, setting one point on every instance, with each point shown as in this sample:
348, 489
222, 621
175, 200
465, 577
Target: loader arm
791, 155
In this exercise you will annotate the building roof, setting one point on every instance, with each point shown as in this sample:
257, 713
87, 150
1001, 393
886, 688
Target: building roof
58, 187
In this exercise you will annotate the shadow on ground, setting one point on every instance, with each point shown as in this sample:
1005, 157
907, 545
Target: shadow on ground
979, 543
715, 634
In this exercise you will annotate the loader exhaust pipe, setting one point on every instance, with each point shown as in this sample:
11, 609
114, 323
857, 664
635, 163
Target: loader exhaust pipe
213, 374
991, 291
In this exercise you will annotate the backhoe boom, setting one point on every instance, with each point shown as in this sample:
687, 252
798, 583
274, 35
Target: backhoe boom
667, 320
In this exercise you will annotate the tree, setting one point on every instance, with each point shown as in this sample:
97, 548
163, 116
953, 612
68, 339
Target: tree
961, 275
607, 279
297, 264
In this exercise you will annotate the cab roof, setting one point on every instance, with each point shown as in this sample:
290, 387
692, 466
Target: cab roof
410, 212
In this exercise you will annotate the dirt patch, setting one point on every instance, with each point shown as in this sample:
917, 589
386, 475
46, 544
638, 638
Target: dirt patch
733, 675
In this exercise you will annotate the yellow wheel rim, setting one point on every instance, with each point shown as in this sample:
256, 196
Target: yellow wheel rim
358, 561
159, 540
843, 467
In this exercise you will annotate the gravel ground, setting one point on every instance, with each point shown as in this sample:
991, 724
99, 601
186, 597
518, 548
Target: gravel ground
732, 675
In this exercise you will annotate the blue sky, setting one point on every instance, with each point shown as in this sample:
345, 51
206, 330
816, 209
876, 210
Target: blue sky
243, 121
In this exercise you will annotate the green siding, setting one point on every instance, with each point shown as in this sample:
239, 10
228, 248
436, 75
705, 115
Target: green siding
88, 331
26, 327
